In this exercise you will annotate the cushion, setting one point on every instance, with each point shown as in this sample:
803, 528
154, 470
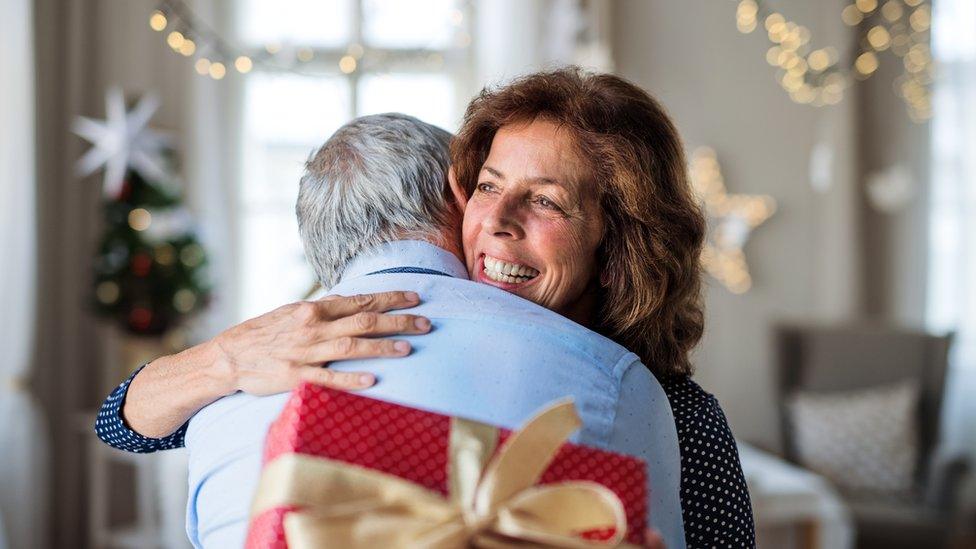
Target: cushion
865, 441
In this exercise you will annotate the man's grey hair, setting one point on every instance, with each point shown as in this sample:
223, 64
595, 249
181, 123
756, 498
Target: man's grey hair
379, 178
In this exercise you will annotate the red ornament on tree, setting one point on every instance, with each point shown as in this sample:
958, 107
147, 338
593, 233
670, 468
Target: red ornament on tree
126, 191
140, 318
141, 263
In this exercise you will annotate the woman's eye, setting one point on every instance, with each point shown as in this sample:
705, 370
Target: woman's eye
545, 202
485, 187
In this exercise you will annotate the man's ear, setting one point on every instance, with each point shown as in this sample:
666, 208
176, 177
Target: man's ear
460, 197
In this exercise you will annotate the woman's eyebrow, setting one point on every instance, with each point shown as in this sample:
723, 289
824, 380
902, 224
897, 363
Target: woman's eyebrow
540, 180
493, 172
546, 181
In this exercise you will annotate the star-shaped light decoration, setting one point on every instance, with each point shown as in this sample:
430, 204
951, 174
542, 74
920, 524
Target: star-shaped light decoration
122, 141
731, 219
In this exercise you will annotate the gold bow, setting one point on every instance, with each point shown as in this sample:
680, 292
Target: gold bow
345, 505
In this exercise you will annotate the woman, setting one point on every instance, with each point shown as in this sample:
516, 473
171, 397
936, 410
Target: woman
593, 163
575, 197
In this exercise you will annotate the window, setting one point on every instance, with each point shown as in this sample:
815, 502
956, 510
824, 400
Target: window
952, 216
409, 57
952, 203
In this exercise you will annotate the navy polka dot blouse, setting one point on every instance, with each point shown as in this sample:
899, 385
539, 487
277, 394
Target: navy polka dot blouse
112, 429
715, 503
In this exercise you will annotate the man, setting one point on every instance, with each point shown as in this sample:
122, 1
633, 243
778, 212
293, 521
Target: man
376, 215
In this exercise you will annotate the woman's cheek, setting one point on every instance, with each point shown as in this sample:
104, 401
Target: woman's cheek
569, 247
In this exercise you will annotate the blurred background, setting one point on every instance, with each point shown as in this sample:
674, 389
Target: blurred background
150, 156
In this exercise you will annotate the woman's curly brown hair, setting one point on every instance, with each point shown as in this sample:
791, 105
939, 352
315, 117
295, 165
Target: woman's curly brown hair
650, 286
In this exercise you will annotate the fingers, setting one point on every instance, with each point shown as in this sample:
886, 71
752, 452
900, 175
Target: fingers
348, 381
374, 324
346, 348
379, 303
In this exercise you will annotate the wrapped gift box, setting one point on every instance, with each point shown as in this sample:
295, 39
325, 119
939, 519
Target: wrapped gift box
416, 446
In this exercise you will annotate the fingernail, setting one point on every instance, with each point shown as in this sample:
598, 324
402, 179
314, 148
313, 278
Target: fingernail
413, 296
422, 323
401, 346
365, 379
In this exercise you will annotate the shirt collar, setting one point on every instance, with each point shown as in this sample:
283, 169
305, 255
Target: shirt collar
404, 253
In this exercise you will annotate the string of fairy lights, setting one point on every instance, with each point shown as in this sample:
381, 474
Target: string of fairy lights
188, 35
814, 76
818, 76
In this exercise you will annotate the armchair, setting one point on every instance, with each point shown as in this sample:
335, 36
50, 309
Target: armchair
819, 358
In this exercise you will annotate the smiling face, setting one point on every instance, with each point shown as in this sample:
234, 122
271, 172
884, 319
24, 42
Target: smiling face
533, 223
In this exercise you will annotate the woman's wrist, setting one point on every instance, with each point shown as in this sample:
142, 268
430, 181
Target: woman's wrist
171, 388
203, 371
217, 372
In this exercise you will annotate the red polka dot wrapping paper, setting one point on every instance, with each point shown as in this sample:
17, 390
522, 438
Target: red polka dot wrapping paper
413, 444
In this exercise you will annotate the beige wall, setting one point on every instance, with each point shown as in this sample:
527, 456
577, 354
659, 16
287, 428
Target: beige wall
805, 261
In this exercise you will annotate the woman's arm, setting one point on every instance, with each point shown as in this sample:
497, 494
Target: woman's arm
265, 355
714, 496
111, 428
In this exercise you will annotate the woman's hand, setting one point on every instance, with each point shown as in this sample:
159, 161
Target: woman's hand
275, 351
270, 354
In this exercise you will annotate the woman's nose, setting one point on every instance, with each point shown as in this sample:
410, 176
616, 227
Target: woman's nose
502, 221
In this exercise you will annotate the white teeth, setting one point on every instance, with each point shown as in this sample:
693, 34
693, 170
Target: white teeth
511, 273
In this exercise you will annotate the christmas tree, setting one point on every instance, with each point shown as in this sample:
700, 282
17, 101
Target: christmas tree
149, 269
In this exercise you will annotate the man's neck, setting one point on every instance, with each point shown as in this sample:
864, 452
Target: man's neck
446, 240
405, 251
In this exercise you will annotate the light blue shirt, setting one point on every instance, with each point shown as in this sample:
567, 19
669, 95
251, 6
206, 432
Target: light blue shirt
491, 356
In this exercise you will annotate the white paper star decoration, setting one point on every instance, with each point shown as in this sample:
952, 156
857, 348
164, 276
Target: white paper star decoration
122, 141
731, 219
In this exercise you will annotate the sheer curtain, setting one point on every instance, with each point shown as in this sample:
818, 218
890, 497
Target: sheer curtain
952, 214
210, 122
22, 487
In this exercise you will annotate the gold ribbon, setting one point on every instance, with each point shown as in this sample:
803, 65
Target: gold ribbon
345, 505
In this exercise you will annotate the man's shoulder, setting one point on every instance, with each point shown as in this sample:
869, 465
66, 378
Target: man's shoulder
445, 297
230, 416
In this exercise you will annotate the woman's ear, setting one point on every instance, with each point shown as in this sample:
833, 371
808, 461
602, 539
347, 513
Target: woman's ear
460, 197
